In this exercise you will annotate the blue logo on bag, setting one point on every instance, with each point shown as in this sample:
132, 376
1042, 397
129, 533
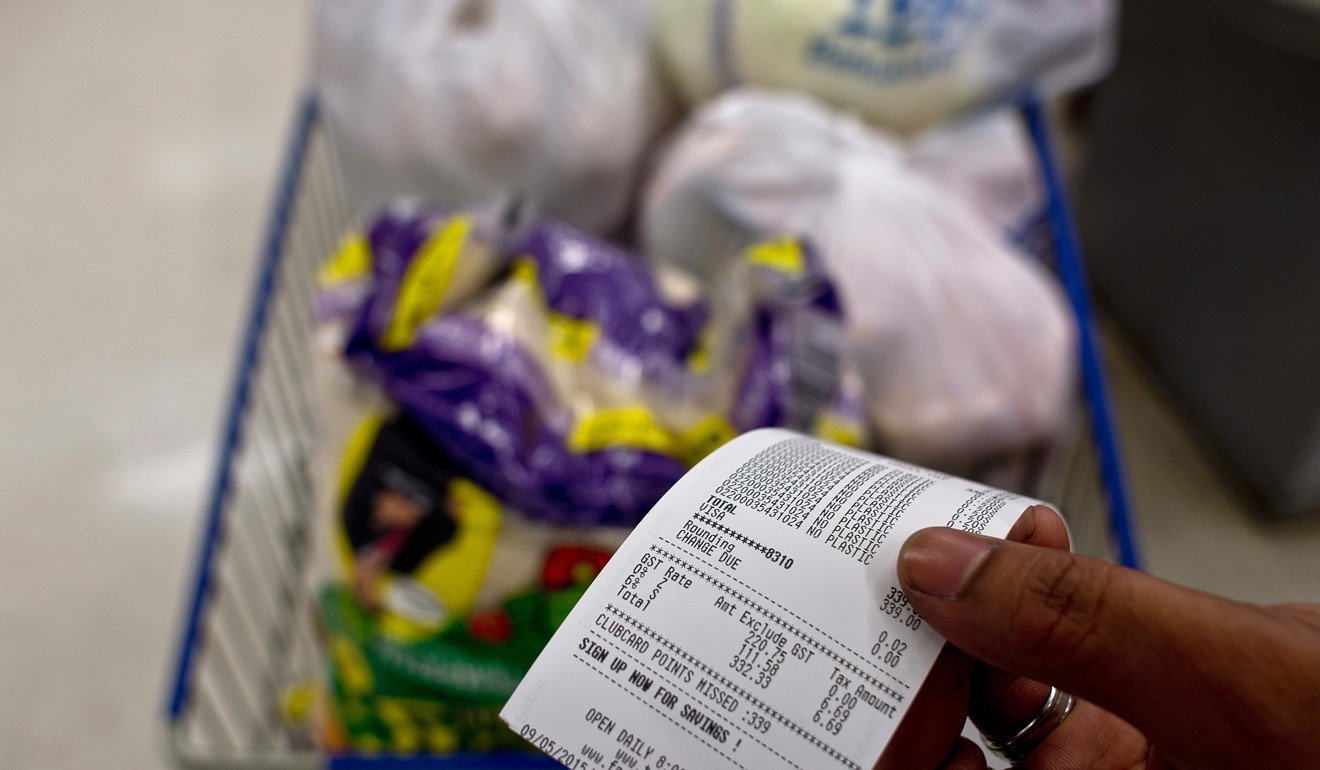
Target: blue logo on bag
907, 21
890, 40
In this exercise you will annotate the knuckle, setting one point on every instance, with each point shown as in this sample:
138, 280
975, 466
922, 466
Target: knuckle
1061, 611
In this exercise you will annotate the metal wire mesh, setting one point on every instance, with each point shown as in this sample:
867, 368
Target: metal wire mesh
257, 628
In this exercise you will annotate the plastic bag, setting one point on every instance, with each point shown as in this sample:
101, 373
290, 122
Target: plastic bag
444, 257
964, 346
989, 162
903, 64
582, 384
462, 100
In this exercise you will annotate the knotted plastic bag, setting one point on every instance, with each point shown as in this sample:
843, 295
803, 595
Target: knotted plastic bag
964, 345
459, 101
988, 160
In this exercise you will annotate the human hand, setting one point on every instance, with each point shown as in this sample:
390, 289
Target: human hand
930, 736
1165, 676
394, 510
369, 566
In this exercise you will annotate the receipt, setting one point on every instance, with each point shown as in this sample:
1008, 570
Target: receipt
754, 618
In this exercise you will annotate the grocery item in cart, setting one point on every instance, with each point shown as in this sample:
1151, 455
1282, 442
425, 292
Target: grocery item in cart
462, 100
989, 162
965, 346
450, 257
582, 384
447, 597
415, 538
899, 63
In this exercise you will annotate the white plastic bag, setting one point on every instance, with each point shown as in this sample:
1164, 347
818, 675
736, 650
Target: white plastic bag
965, 347
903, 64
988, 160
460, 101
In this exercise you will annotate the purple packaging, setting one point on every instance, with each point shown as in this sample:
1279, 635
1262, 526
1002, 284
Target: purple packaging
576, 386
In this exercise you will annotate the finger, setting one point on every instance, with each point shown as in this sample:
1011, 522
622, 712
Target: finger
1089, 737
1001, 701
1040, 526
1304, 618
966, 756
1159, 656
1095, 739
936, 717
939, 710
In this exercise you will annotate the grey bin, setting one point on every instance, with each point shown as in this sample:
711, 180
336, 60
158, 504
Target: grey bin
1200, 210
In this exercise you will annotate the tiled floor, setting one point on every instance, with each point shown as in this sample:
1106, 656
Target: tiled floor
138, 141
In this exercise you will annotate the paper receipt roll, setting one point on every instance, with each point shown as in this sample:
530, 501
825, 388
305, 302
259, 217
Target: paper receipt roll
754, 618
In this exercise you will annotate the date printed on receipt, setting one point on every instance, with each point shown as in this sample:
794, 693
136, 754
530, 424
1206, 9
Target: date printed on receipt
753, 619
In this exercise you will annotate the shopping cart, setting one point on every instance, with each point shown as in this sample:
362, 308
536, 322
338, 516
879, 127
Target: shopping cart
249, 630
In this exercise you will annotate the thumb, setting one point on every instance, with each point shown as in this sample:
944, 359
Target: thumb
1138, 647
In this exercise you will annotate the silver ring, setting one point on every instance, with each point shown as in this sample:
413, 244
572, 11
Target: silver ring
1056, 708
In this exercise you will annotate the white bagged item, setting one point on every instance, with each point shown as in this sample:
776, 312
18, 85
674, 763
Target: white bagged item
460, 101
965, 346
988, 160
903, 64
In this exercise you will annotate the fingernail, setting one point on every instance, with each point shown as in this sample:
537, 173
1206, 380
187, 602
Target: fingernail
940, 562
1024, 527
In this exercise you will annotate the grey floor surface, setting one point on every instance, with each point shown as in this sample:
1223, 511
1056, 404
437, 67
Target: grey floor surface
138, 142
